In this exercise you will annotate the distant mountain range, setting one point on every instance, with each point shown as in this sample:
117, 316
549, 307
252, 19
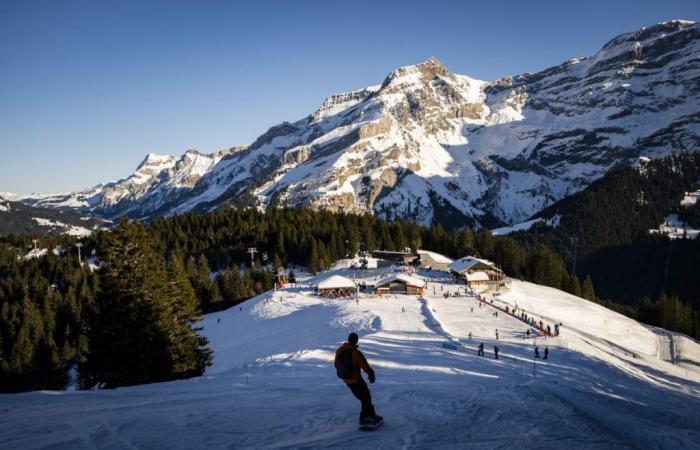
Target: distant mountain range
433, 146
19, 218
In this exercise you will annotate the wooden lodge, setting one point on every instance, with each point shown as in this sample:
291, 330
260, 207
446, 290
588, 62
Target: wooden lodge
336, 286
400, 283
400, 258
479, 274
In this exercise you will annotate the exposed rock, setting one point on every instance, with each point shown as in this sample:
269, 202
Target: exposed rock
430, 145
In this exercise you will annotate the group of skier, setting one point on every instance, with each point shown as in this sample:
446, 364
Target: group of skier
537, 352
349, 362
480, 350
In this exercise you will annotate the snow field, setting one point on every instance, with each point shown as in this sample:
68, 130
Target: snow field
273, 385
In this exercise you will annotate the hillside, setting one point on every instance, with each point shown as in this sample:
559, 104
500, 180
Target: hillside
19, 218
433, 146
608, 383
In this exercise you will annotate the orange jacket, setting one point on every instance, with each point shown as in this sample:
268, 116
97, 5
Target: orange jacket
358, 362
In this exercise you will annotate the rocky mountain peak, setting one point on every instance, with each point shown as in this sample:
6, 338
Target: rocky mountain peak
421, 73
647, 48
153, 159
433, 146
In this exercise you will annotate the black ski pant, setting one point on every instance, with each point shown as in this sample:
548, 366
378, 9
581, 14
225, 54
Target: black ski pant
361, 392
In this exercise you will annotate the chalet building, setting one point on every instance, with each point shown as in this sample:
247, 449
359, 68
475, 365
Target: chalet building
280, 277
434, 261
395, 258
400, 283
479, 274
336, 286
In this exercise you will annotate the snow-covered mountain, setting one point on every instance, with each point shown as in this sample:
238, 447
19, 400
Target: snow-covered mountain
433, 146
609, 382
156, 181
19, 218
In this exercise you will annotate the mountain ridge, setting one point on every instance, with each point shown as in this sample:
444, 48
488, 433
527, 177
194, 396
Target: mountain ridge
433, 146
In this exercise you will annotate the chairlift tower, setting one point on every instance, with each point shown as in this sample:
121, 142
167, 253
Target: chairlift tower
78, 245
252, 251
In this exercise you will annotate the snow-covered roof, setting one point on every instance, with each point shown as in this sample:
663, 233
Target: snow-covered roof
469, 262
36, 253
336, 282
690, 198
437, 257
409, 280
477, 276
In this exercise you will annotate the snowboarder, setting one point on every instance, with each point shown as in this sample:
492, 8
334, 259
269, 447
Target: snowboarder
495, 351
537, 352
348, 363
546, 352
481, 350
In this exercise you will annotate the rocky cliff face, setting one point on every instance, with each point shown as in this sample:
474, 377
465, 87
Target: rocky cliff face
156, 181
434, 146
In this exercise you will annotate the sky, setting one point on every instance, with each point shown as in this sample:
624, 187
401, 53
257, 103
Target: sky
88, 88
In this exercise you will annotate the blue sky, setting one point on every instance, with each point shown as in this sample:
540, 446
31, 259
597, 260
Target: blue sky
88, 88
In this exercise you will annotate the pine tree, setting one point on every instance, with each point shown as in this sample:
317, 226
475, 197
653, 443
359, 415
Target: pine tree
587, 290
572, 285
314, 261
129, 328
189, 352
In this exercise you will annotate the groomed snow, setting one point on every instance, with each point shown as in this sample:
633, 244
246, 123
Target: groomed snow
273, 385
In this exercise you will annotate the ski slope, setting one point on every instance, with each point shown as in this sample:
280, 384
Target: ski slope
607, 382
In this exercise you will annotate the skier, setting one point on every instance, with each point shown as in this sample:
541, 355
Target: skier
556, 329
481, 350
537, 352
348, 362
528, 332
470, 335
495, 351
496, 333
403, 309
546, 352
549, 330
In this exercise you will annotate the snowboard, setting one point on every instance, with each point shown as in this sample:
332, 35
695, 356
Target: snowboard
370, 427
